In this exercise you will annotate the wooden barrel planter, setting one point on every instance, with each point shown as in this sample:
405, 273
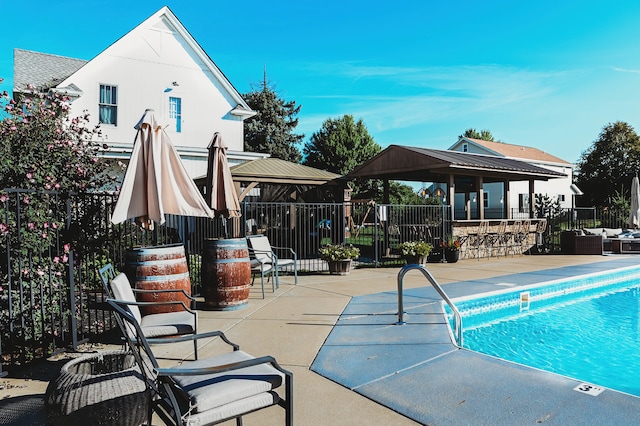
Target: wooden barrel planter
226, 273
159, 268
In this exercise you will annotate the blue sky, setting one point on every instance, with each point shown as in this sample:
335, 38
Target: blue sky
548, 74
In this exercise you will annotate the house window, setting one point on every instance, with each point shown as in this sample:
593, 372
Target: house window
485, 196
561, 198
108, 106
465, 147
175, 112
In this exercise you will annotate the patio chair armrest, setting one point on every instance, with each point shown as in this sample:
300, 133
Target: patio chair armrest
192, 337
167, 302
222, 368
285, 249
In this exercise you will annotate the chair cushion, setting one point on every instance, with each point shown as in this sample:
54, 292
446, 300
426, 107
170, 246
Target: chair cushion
233, 409
211, 391
121, 288
167, 324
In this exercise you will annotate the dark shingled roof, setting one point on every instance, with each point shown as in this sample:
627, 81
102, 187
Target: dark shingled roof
431, 165
41, 69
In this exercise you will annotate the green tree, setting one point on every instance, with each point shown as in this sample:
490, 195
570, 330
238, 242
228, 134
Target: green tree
608, 165
341, 145
271, 129
472, 133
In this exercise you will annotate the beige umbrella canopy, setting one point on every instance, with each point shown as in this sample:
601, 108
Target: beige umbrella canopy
221, 193
634, 211
156, 182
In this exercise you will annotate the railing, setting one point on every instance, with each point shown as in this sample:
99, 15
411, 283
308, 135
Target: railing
456, 315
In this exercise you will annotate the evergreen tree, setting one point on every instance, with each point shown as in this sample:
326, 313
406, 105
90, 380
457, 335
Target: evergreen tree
472, 133
271, 129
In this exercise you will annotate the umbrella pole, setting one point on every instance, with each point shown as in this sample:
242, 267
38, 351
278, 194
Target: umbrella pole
224, 226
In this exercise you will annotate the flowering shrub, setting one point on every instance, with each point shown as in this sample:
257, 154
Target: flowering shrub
415, 248
450, 244
339, 252
45, 154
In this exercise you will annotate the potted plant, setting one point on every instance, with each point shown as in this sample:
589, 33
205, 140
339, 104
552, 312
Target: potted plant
415, 251
339, 257
451, 247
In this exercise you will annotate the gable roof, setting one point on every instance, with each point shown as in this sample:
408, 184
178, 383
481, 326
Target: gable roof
48, 67
514, 151
43, 70
431, 165
275, 170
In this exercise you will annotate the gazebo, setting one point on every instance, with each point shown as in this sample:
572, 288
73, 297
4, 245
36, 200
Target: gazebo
463, 174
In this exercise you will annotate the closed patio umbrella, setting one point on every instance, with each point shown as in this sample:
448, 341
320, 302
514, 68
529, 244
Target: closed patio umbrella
156, 182
221, 193
634, 211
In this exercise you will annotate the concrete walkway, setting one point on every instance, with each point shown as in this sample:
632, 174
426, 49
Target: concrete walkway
331, 326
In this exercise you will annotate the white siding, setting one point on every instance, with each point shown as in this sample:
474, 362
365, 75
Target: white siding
143, 65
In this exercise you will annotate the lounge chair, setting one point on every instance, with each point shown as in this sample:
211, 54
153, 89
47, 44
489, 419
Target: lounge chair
153, 326
211, 390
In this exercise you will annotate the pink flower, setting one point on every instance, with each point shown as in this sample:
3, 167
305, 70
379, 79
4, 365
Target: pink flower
29, 175
4, 229
25, 200
31, 225
65, 258
40, 272
3, 198
25, 272
44, 235
45, 225
54, 225
67, 248
56, 259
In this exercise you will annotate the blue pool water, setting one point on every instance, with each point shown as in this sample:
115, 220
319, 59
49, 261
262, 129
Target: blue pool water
586, 328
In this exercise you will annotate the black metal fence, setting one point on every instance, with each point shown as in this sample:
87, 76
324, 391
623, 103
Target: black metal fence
52, 245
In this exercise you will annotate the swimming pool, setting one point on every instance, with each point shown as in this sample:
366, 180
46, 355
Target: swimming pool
586, 328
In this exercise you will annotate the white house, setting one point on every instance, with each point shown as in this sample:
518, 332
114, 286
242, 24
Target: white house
157, 65
559, 188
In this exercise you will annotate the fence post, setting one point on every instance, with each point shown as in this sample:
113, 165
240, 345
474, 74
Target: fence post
72, 303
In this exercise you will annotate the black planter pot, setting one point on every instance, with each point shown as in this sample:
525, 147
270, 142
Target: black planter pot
451, 256
435, 257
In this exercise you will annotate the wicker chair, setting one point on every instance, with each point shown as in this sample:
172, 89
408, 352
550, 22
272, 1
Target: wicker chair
212, 390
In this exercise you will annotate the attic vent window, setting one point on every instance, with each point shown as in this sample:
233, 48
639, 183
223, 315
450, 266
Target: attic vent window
465, 147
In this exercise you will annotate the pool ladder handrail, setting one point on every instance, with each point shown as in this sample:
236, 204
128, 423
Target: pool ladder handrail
456, 315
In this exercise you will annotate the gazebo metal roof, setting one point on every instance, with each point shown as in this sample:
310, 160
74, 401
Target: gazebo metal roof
431, 165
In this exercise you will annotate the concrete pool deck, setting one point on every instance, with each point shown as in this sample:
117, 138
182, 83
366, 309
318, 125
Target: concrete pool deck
352, 366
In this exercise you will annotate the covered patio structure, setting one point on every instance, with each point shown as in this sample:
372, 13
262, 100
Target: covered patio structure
462, 180
465, 176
